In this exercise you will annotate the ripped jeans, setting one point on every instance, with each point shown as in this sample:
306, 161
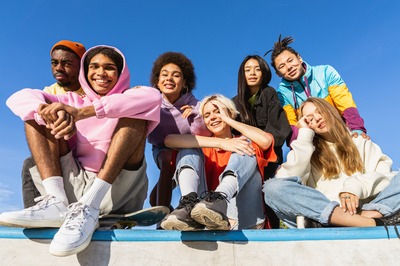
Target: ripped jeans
247, 206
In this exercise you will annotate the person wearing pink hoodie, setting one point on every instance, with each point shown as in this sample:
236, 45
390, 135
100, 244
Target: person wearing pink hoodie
102, 169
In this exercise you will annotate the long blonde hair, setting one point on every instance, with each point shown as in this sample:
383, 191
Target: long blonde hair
323, 159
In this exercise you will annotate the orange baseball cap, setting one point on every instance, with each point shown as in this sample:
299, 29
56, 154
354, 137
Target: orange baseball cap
77, 47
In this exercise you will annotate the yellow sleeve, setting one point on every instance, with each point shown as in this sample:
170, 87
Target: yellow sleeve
290, 114
54, 89
341, 97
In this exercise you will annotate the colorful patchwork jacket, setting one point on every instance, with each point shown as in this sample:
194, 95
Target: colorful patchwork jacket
322, 82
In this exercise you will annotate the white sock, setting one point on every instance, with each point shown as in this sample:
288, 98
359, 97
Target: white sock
188, 181
95, 193
54, 185
229, 185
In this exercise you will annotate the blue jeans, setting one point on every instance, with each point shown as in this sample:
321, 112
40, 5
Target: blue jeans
289, 199
388, 201
247, 206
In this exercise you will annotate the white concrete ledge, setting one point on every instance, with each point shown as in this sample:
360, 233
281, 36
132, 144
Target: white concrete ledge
327, 246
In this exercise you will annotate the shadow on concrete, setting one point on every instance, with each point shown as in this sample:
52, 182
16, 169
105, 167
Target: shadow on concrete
208, 240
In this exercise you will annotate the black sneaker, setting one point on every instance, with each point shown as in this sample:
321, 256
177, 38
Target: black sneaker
309, 223
211, 211
393, 219
180, 218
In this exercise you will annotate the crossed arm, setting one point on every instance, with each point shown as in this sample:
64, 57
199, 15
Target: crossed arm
240, 145
61, 118
58, 114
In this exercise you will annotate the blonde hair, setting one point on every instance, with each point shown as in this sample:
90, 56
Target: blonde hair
323, 159
228, 103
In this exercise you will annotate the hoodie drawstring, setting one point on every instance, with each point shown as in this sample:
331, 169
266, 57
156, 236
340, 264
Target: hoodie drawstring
306, 90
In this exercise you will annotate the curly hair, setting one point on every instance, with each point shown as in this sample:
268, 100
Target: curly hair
279, 47
323, 159
179, 59
65, 48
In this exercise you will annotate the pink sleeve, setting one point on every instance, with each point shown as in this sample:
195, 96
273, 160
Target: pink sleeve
140, 103
24, 103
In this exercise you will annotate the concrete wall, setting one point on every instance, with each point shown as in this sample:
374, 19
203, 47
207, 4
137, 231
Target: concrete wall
262, 247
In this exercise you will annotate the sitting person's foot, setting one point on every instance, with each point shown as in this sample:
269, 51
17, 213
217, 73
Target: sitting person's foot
211, 212
48, 212
77, 230
393, 219
180, 218
309, 223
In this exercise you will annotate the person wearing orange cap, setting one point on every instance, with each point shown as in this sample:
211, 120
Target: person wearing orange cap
65, 65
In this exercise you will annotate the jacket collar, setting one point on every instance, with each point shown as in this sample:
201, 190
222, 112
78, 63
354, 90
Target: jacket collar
308, 75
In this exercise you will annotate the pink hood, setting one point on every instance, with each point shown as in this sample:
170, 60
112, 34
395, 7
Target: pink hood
94, 134
122, 84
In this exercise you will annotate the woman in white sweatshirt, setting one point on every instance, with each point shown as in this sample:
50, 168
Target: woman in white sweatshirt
331, 177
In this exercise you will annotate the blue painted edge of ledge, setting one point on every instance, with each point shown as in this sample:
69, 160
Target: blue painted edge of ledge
310, 234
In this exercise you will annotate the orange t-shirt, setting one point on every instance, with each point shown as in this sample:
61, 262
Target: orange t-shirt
216, 160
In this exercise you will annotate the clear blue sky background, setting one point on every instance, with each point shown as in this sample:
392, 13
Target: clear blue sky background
359, 38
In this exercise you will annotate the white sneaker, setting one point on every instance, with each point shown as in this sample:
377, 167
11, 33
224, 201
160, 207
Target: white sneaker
48, 212
77, 230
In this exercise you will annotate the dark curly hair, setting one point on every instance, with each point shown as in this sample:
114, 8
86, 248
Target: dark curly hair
65, 48
279, 47
181, 61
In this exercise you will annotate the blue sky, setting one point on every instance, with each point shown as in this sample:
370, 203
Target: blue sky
359, 38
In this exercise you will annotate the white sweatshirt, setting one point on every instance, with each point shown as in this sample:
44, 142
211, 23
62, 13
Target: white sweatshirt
375, 177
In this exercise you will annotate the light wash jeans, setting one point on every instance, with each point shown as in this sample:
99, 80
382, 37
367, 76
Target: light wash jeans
247, 206
289, 199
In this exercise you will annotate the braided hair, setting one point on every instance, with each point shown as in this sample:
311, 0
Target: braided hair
280, 46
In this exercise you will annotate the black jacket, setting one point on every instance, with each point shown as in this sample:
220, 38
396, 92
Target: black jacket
270, 117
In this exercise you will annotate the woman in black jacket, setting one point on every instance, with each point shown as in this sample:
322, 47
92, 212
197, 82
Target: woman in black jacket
259, 106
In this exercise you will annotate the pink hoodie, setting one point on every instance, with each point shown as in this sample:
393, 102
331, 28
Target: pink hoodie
94, 134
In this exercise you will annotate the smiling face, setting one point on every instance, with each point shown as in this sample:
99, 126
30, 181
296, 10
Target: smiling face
171, 82
315, 120
102, 74
213, 121
289, 66
253, 75
65, 68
